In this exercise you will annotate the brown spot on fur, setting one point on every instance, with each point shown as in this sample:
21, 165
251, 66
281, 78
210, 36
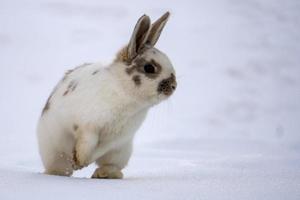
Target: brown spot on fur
122, 56
158, 69
75, 156
140, 62
131, 69
46, 107
66, 92
82, 65
168, 85
95, 72
137, 80
67, 73
71, 87
75, 127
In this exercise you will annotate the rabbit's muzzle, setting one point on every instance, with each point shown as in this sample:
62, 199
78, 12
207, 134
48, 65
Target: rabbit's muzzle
167, 86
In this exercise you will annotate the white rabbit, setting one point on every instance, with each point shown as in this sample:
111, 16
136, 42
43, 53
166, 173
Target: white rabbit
94, 111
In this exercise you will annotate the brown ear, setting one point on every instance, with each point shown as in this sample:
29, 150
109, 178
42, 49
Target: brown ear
139, 36
157, 28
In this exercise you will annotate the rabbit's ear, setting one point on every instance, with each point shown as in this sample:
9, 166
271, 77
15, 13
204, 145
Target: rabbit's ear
157, 28
139, 36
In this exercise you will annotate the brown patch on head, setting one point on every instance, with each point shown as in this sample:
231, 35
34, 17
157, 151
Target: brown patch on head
137, 80
158, 69
130, 70
71, 87
138, 66
75, 127
122, 56
133, 67
168, 85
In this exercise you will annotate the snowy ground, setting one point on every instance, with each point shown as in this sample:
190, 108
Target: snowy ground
231, 131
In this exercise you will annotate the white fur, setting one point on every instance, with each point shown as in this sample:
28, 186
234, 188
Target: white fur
98, 119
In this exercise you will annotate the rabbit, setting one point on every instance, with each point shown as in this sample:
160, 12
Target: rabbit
95, 110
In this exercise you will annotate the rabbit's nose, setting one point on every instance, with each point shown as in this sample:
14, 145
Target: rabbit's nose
174, 84
173, 81
167, 86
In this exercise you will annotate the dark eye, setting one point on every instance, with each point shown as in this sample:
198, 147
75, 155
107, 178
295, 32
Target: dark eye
148, 68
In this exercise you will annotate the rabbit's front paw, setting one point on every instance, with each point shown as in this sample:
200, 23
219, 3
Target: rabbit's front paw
109, 172
78, 161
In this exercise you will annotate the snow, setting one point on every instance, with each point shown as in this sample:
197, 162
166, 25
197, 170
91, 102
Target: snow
231, 130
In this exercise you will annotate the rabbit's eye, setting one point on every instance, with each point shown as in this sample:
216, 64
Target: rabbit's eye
148, 68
